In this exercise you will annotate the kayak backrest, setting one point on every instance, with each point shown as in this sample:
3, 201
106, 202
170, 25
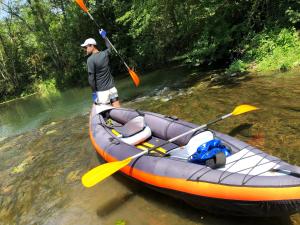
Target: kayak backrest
138, 137
198, 140
166, 128
184, 152
132, 127
123, 115
162, 127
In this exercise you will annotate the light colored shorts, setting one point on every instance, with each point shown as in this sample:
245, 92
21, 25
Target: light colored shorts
105, 97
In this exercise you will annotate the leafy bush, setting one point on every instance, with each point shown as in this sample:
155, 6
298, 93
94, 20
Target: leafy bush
202, 51
237, 66
120, 222
46, 88
277, 50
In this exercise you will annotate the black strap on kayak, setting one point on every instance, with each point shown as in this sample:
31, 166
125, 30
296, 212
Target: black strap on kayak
104, 123
172, 117
218, 161
287, 171
140, 113
114, 141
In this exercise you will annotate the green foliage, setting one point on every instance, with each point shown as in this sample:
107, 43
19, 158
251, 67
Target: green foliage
294, 16
275, 50
293, 12
237, 66
40, 39
46, 88
120, 222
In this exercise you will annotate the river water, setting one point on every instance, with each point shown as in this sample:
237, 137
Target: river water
45, 148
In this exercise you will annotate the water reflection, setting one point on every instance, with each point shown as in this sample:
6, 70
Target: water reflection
26, 114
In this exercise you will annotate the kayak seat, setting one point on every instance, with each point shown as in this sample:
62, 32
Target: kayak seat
134, 131
186, 151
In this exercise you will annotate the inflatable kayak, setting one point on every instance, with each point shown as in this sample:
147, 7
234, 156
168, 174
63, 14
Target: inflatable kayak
245, 182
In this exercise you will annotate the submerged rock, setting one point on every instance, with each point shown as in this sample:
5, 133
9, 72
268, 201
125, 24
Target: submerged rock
51, 132
73, 176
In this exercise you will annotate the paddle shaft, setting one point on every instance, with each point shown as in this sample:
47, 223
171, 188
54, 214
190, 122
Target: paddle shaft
181, 135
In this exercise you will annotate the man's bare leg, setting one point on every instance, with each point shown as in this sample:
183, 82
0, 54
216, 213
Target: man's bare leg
116, 104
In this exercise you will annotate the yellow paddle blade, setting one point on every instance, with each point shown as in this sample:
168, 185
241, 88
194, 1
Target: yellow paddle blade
103, 171
82, 5
243, 109
134, 76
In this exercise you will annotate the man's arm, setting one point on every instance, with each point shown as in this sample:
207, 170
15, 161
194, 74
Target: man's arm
103, 35
108, 46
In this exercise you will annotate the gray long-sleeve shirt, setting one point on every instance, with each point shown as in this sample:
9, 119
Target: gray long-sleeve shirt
98, 67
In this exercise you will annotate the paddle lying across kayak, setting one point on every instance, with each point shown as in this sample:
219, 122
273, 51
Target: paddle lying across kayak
244, 182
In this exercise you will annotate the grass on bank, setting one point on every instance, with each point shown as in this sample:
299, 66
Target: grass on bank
270, 51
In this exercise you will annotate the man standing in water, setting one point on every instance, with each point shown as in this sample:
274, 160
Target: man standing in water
100, 78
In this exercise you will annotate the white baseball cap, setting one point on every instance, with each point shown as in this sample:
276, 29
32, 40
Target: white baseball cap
89, 41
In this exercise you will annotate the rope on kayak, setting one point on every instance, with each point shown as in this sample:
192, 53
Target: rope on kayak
197, 171
228, 174
236, 161
257, 164
277, 162
220, 178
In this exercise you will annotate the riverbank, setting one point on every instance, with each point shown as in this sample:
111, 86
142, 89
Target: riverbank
17, 98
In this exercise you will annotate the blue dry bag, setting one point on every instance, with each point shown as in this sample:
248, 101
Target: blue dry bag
208, 150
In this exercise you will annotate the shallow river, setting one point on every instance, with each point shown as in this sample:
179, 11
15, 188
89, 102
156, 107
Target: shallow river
45, 148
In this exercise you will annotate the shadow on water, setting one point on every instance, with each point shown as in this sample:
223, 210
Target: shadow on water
243, 129
296, 109
114, 204
173, 206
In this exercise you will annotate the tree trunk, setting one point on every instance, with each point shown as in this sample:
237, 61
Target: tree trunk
13, 77
41, 23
